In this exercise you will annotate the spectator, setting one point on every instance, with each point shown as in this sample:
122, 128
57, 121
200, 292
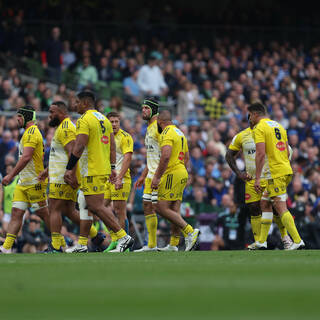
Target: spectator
131, 87
68, 57
88, 75
51, 56
187, 99
150, 78
7, 146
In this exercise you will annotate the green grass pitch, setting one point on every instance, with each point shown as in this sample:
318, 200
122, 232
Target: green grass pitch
195, 285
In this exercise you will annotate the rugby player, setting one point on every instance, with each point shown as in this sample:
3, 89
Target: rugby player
171, 177
272, 143
244, 141
62, 197
95, 147
119, 192
29, 192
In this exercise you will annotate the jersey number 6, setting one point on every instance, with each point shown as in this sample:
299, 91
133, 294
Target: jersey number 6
277, 133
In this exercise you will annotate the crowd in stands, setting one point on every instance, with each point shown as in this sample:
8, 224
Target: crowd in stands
209, 88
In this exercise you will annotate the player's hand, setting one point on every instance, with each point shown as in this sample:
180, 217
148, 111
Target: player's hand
257, 186
43, 175
118, 184
7, 179
245, 176
71, 179
113, 176
155, 183
139, 183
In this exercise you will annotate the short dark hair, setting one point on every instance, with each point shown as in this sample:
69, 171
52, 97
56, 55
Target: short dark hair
113, 114
165, 115
61, 105
258, 107
88, 95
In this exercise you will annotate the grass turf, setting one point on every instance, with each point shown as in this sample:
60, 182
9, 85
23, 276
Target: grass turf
197, 285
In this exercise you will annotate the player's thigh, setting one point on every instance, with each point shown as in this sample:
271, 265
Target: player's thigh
93, 185
278, 187
37, 196
251, 195
172, 185
175, 205
20, 199
94, 202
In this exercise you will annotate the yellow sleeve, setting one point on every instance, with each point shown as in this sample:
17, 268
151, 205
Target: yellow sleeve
126, 144
82, 126
236, 143
258, 135
31, 139
66, 135
166, 139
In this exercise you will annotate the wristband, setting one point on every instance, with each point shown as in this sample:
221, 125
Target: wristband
72, 162
113, 166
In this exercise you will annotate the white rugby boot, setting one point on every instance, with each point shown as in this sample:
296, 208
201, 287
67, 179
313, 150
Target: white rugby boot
297, 246
168, 248
191, 240
78, 248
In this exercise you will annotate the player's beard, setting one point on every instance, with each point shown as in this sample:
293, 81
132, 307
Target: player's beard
54, 122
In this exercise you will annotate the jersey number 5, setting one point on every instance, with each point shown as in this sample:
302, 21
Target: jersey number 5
102, 126
277, 133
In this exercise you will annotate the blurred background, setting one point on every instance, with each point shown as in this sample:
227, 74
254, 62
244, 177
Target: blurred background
206, 61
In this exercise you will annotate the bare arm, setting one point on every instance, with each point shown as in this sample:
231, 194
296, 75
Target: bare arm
260, 157
23, 161
164, 160
125, 165
80, 144
186, 160
69, 147
112, 149
231, 160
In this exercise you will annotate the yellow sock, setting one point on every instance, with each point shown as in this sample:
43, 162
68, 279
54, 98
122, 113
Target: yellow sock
282, 229
174, 241
113, 236
152, 225
62, 241
83, 241
93, 232
120, 234
8, 243
256, 226
266, 220
56, 240
187, 229
288, 222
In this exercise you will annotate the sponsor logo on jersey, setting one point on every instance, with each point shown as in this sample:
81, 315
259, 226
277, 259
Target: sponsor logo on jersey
105, 139
281, 146
247, 196
273, 124
181, 156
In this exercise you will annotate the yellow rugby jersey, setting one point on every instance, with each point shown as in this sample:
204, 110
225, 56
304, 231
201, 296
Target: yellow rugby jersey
124, 144
153, 148
58, 158
275, 138
95, 160
244, 141
32, 137
172, 136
